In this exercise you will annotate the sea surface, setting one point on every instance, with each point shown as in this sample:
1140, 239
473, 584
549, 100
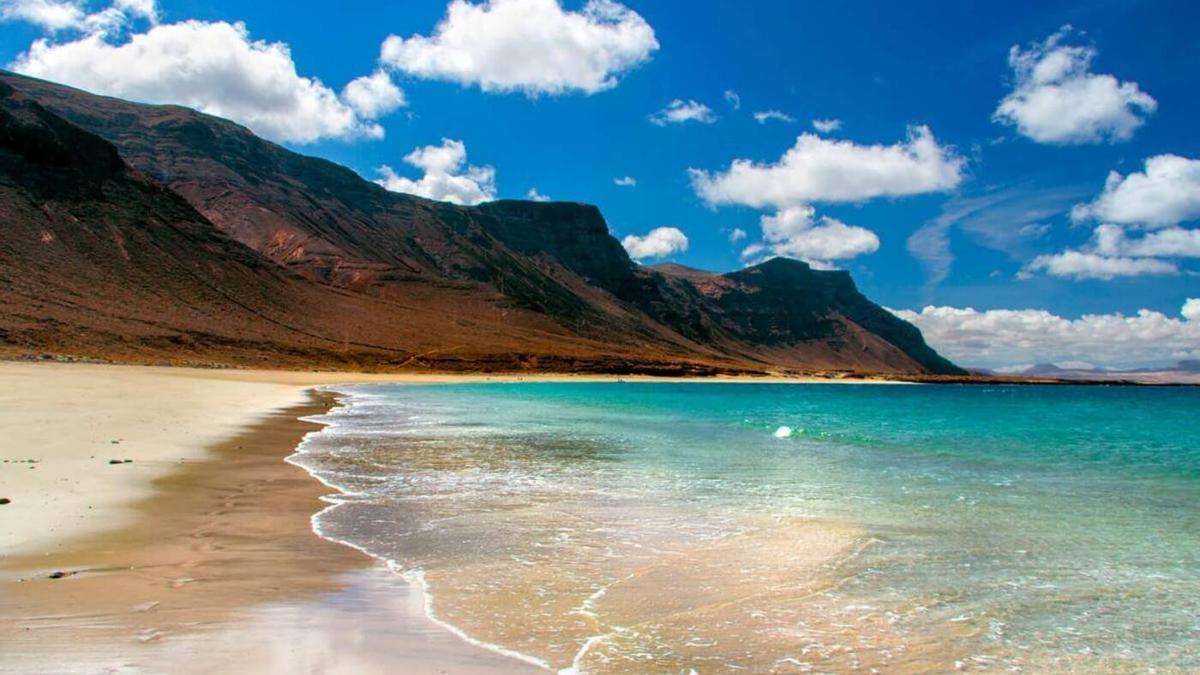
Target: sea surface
677, 527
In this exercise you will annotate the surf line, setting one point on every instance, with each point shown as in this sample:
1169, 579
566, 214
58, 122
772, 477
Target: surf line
415, 577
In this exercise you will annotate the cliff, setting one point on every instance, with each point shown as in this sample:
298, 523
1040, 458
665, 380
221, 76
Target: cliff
364, 276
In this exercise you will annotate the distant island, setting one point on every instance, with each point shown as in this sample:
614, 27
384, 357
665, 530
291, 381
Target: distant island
1186, 371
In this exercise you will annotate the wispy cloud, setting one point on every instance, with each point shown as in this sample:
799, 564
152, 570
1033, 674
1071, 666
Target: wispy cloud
1007, 220
680, 111
827, 126
769, 115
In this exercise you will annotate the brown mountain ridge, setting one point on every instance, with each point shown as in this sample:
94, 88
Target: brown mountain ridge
159, 234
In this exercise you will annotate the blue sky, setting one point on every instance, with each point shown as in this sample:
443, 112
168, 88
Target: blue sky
993, 229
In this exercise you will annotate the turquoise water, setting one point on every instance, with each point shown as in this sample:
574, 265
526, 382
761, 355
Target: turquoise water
663, 527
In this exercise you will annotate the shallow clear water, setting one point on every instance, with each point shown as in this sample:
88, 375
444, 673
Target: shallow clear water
665, 527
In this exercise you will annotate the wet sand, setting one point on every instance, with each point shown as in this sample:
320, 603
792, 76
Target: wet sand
62, 424
197, 556
219, 571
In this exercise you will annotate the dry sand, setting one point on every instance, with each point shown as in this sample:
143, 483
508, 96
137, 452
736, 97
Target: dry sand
62, 424
208, 566
198, 555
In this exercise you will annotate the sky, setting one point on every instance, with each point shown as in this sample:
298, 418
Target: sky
1019, 179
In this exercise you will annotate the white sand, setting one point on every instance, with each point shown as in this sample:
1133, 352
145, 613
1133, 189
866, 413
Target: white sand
71, 419
66, 417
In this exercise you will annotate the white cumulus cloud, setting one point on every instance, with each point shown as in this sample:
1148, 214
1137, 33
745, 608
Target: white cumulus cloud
52, 15
1158, 198
737, 234
1172, 242
72, 15
679, 111
625, 181
818, 169
657, 243
534, 196
1074, 264
1113, 253
531, 46
827, 126
1057, 99
214, 67
1166, 192
732, 98
1191, 309
768, 115
796, 233
1003, 338
144, 8
65, 16
373, 96
447, 176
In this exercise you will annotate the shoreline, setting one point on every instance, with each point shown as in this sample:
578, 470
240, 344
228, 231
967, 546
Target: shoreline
415, 579
206, 536
220, 550
114, 529
329, 377
810, 546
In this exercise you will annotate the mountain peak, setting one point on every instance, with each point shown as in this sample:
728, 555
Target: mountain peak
360, 274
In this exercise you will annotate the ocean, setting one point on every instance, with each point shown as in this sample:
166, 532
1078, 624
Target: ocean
712, 527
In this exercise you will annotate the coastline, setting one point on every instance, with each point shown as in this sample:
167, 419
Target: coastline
201, 554
215, 566
806, 554
71, 426
203, 442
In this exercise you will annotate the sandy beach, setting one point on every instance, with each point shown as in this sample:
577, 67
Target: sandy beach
66, 424
198, 555
182, 537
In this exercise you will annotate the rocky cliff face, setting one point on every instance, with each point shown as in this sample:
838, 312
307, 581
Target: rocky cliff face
99, 260
535, 283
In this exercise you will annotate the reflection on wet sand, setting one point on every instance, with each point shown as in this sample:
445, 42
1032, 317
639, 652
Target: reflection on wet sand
542, 544
221, 572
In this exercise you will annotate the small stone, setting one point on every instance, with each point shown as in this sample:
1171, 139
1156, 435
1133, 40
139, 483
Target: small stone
58, 575
114, 461
5, 500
